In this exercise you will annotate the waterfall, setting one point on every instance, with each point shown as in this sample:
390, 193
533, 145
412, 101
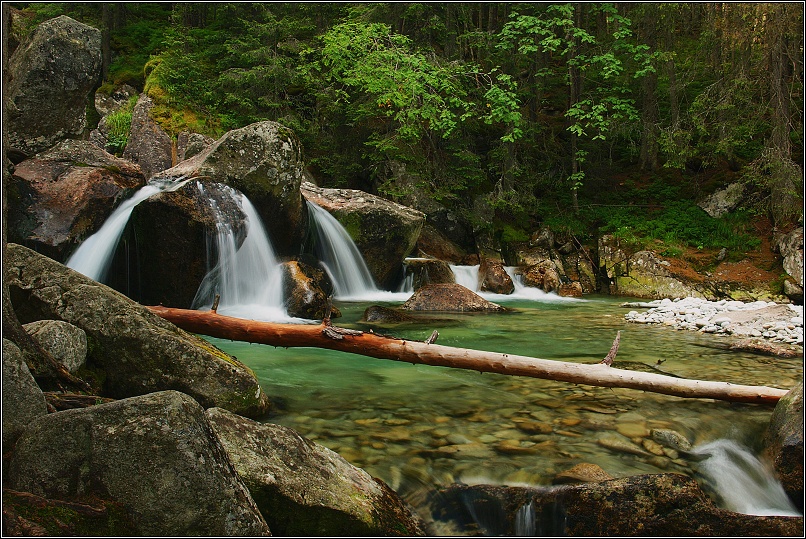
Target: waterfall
525, 521
335, 249
743, 483
94, 255
248, 278
468, 276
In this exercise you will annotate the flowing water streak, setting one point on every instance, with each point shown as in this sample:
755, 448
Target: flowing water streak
94, 256
525, 520
343, 262
248, 278
744, 483
468, 276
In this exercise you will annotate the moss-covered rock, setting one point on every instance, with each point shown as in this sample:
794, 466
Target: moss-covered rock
135, 350
303, 488
156, 455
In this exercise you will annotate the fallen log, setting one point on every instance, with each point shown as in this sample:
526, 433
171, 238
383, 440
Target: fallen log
423, 353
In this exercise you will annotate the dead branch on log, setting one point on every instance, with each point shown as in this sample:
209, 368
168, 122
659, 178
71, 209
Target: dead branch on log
373, 345
432, 338
611, 355
68, 401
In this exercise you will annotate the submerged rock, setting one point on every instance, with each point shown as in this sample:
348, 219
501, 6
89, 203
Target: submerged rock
449, 297
305, 489
156, 455
133, 350
384, 315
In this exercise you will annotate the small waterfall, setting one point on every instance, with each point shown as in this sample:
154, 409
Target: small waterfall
743, 483
342, 260
525, 521
468, 276
247, 278
94, 255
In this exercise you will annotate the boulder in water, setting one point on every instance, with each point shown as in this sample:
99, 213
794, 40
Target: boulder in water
263, 161
384, 232
133, 350
428, 271
494, 278
52, 75
65, 194
303, 488
156, 454
449, 297
306, 290
377, 314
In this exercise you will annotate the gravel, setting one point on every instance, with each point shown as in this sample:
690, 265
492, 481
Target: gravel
779, 323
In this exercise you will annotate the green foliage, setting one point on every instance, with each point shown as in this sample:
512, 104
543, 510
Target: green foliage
119, 124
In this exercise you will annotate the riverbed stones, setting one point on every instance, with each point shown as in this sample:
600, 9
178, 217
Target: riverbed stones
52, 75
671, 439
133, 350
449, 297
156, 454
303, 488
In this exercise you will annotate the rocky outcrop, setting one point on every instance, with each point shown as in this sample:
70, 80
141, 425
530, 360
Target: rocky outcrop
425, 271
384, 232
306, 290
66, 342
434, 244
65, 194
543, 275
663, 505
305, 489
791, 248
155, 454
494, 278
118, 98
133, 350
168, 238
190, 144
52, 75
449, 297
784, 443
264, 162
148, 145
724, 200
23, 401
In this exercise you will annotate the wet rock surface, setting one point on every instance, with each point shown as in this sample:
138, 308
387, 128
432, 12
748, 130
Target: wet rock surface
449, 297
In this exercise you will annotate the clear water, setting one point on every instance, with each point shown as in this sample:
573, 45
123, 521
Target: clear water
419, 427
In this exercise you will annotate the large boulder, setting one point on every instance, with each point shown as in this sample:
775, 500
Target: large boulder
65, 194
383, 231
306, 290
494, 278
52, 75
305, 489
133, 350
435, 244
66, 342
171, 241
662, 505
264, 162
791, 248
155, 454
23, 401
148, 145
784, 443
724, 200
449, 297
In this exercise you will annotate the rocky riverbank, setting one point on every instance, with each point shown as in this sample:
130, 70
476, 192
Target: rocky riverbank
765, 322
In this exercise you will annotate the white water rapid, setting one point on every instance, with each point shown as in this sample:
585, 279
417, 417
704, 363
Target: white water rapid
94, 255
468, 276
335, 249
248, 278
744, 483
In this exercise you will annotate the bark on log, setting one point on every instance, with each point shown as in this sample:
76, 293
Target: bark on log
377, 346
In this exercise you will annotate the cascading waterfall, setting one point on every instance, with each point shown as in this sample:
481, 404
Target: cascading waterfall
743, 483
94, 256
468, 276
248, 278
335, 249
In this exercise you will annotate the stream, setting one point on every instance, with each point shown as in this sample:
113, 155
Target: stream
420, 427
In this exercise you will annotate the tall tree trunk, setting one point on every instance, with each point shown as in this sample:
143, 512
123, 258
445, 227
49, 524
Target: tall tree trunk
574, 91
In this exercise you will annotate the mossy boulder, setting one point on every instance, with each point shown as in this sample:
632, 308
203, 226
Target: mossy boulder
148, 145
784, 443
156, 455
134, 350
383, 231
662, 505
264, 162
305, 489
